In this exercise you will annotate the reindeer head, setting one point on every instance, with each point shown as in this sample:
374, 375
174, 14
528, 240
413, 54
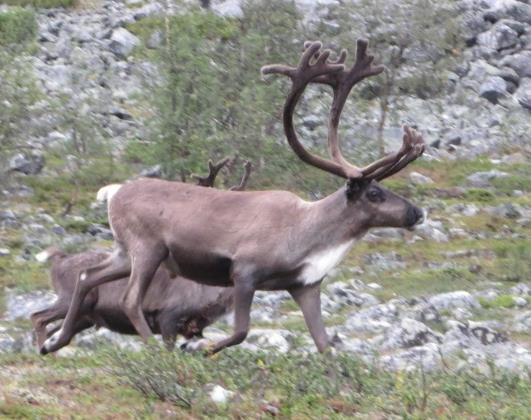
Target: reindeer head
370, 202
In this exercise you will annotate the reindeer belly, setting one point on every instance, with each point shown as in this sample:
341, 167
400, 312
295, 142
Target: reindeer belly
205, 268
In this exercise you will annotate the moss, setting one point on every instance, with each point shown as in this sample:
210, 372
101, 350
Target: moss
502, 301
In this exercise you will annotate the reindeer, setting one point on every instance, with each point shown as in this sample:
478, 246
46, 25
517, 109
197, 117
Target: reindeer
172, 306
259, 240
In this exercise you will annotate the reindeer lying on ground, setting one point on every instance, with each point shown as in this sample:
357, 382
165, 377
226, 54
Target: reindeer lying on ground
260, 240
171, 306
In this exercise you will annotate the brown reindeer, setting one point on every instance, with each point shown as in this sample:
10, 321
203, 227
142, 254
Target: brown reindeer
260, 240
171, 306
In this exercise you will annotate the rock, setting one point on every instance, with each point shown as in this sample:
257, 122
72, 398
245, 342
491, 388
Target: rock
464, 209
522, 322
521, 289
376, 318
92, 339
523, 94
500, 36
220, 395
155, 40
473, 333
152, 172
100, 231
384, 262
150, 9
4, 252
427, 356
520, 301
450, 300
431, 230
229, 8
493, 89
345, 295
27, 164
21, 306
312, 121
483, 179
264, 339
520, 62
506, 211
123, 42
419, 179
410, 333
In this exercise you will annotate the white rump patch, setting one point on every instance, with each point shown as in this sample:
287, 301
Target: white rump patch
319, 264
105, 194
42, 257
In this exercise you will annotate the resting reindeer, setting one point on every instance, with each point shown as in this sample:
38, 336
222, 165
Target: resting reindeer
260, 240
172, 306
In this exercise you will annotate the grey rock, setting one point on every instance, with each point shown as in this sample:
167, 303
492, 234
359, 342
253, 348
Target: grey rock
427, 356
431, 230
344, 295
376, 318
100, 232
457, 299
123, 42
384, 262
506, 211
483, 179
500, 36
21, 306
229, 8
522, 322
279, 340
155, 40
521, 289
520, 62
4, 252
493, 89
27, 164
410, 333
150, 9
523, 94
419, 179
92, 339
7, 215
152, 172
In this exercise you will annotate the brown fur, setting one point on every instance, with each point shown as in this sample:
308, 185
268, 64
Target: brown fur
172, 306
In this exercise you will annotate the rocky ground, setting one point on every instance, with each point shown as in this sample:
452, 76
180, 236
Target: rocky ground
456, 292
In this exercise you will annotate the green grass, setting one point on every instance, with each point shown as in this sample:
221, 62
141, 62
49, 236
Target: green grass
502, 301
317, 386
44, 4
18, 28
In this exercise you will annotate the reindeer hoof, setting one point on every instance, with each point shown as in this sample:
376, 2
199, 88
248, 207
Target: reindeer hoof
52, 343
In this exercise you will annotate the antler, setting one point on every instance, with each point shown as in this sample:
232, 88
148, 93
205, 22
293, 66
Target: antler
247, 168
342, 81
208, 181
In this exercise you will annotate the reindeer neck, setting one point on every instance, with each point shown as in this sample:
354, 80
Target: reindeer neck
332, 221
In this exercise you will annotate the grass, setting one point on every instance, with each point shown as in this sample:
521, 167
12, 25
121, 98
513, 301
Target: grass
44, 4
155, 383
18, 27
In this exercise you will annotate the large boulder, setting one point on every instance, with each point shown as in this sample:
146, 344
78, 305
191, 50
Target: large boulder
523, 94
500, 36
31, 164
493, 88
123, 42
450, 300
520, 62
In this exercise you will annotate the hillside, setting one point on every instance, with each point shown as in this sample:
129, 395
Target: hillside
430, 323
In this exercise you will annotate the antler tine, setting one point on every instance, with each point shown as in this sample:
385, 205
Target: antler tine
247, 168
213, 170
412, 147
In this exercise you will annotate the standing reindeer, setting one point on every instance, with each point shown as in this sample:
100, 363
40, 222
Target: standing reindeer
261, 240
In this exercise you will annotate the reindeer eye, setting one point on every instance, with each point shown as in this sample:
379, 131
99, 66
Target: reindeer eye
375, 194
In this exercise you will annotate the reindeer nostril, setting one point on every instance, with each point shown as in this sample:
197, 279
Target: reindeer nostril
414, 216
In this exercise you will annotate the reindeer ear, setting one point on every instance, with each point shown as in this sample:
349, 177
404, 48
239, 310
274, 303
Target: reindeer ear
355, 187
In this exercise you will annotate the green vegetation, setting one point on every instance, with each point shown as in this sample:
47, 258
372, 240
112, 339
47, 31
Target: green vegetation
45, 4
503, 301
155, 383
18, 28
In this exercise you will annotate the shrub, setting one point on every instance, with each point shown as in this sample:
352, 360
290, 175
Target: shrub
18, 28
